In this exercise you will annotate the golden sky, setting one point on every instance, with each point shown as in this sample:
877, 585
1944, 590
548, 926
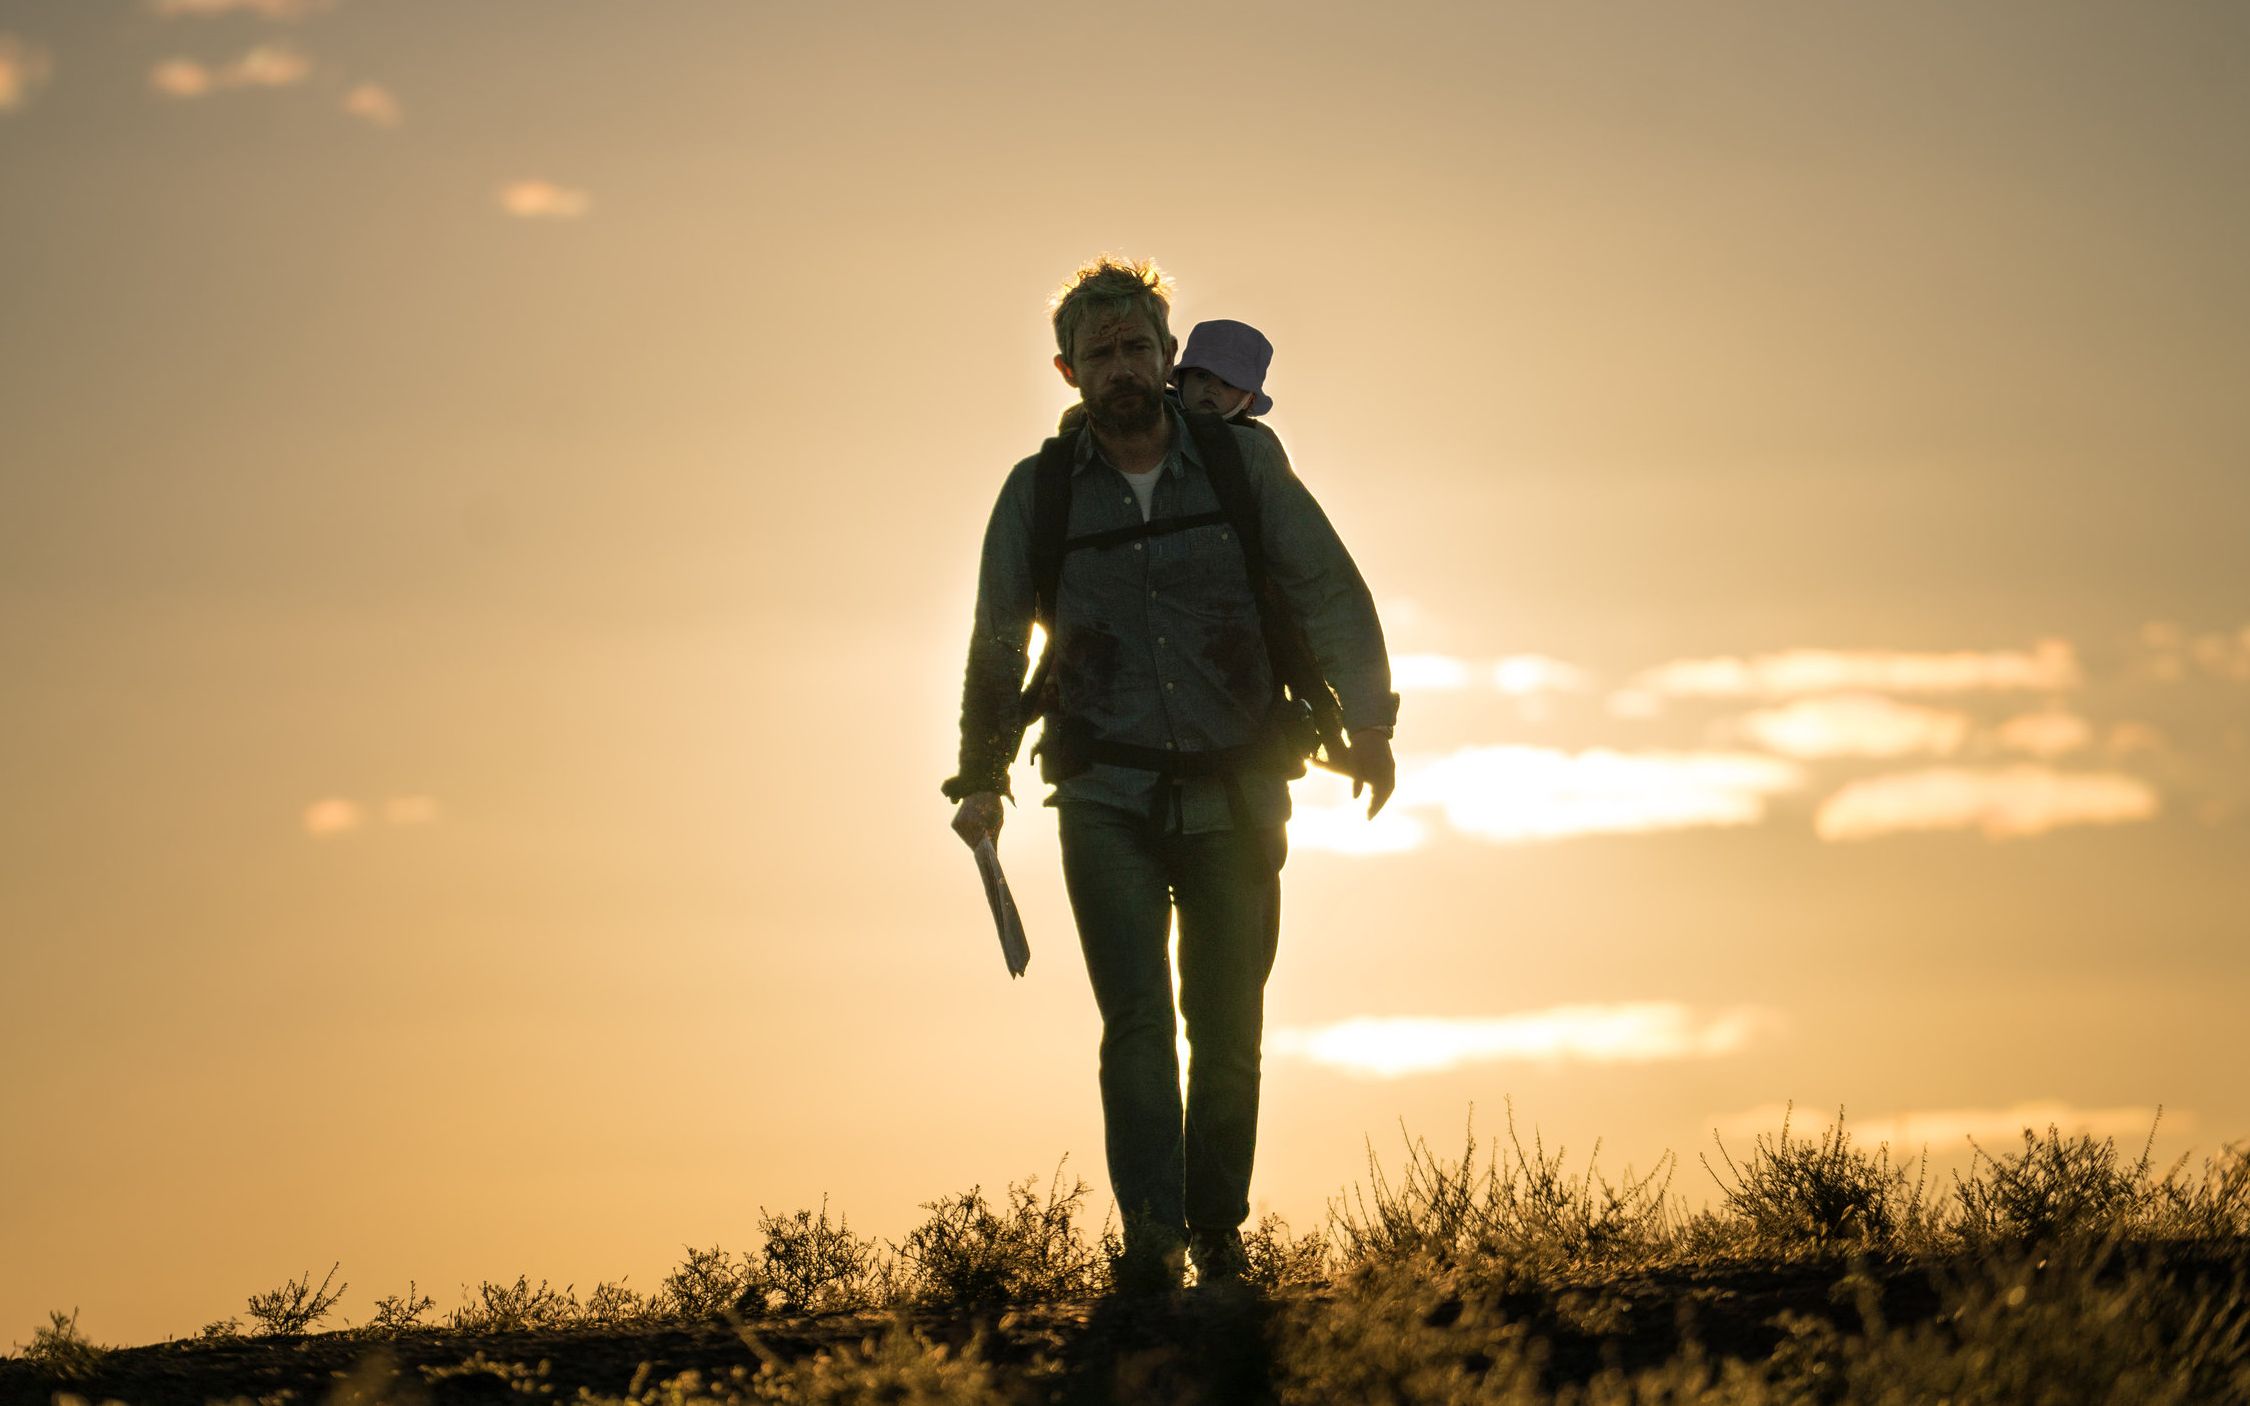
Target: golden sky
492, 497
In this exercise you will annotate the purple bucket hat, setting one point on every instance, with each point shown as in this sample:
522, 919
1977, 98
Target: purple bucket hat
1236, 353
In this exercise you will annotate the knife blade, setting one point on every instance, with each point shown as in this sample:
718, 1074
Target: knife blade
1015, 949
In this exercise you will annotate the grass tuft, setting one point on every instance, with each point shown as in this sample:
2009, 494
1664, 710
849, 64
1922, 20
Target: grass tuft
1531, 1209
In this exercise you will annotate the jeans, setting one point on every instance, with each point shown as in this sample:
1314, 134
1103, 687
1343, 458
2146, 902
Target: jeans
1126, 874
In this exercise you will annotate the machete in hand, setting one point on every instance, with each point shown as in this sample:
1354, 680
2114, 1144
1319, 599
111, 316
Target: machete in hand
1014, 947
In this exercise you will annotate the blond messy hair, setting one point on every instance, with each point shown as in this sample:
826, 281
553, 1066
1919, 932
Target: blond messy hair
1111, 286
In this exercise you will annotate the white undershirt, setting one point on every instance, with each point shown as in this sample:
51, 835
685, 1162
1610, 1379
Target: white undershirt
1144, 488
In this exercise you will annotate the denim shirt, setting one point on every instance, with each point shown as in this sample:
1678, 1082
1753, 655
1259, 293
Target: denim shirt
1157, 641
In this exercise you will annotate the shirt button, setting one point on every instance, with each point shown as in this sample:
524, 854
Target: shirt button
1127, 500
1138, 545
1160, 639
1167, 685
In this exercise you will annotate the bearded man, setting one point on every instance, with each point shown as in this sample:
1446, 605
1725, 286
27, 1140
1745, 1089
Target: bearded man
1160, 741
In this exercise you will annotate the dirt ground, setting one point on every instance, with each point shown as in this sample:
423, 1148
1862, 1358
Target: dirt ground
1220, 1342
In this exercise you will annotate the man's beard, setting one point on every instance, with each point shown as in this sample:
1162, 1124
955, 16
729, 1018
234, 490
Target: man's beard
1126, 409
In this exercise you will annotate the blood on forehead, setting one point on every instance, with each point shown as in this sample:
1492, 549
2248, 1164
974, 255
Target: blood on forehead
1104, 328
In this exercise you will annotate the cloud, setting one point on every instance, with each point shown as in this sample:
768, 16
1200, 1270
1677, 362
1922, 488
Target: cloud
2046, 734
2163, 634
332, 815
2050, 665
1515, 795
1635, 703
1343, 828
266, 66
1636, 1032
264, 9
374, 103
543, 200
1911, 1130
2223, 656
1518, 675
2126, 738
24, 68
2007, 803
1854, 725
1521, 674
2172, 651
180, 78
1412, 673
410, 810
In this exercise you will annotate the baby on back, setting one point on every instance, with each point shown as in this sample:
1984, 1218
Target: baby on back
1222, 371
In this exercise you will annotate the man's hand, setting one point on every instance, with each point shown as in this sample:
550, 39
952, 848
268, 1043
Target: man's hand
1373, 766
977, 817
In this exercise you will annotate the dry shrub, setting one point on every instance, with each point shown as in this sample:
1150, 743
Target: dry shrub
59, 1349
1821, 1193
808, 1264
1281, 1262
514, 1308
2056, 1189
296, 1305
2214, 1207
705, 1284
1030, 1249
613, 1305
400, 1313
1529, 1209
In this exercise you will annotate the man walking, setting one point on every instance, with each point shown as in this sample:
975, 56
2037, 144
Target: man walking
1161, 741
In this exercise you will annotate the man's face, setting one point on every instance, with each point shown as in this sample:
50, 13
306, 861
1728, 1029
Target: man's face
1120, 368
1200, 390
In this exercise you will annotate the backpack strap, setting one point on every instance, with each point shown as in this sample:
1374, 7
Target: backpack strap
1297, 673
1230, 482
1140, 531
1297, 677
1050, 523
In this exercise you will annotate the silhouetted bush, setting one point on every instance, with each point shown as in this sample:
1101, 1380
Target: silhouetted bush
612, 1305
1029, 1249
1528, 1210
2215, 1206
809, 1265
60, 1349
399, 1313
2055, 1189
296, 1305
707, 1282
1820, 1193
1281, 1262
515, 1308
